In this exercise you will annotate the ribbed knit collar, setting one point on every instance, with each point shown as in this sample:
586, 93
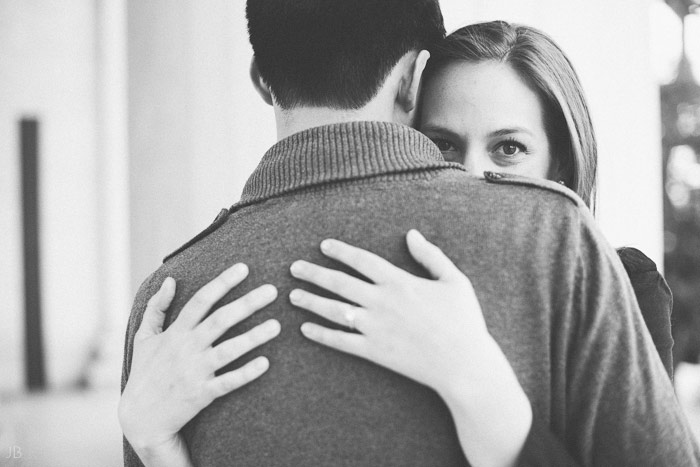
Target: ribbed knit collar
341, 151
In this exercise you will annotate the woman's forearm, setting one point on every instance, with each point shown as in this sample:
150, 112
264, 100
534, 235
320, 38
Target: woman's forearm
493, 418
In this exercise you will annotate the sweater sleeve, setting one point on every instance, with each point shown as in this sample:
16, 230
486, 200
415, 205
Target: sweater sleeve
621, 406
655, 301
542, 448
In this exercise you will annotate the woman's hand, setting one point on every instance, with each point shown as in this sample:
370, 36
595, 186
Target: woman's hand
424, 329
172, 374
430, 330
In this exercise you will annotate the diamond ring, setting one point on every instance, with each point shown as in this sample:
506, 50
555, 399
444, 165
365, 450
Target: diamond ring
350, 317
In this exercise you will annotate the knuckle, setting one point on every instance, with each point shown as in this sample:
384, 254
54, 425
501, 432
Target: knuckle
200, 395
334, 280
327, 337
221, 281
348, 311
228, 277
217, 388
341, 309
310, 272
353, 255
220, 355
314, 303
203, 298
224, 353
248, 340
219, 321
255, 336
248, 301
231, 381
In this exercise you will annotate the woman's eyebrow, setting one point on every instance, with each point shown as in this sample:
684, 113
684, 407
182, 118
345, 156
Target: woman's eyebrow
509, 131
440, 129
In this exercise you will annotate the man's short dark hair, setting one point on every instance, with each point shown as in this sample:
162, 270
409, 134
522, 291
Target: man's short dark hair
336, 53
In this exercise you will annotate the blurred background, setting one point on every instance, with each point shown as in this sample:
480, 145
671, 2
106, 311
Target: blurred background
126, 125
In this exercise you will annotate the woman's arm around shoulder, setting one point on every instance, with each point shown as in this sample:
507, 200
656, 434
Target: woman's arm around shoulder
654, 298
394, 317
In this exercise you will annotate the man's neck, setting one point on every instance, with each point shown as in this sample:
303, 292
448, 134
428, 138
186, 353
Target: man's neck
303, 118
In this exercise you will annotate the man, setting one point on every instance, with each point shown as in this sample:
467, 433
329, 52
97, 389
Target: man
343, 77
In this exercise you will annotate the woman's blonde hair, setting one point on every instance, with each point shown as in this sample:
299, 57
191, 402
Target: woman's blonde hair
545, 67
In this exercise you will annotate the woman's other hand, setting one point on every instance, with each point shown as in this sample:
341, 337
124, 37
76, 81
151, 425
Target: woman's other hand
172, 375
430, 330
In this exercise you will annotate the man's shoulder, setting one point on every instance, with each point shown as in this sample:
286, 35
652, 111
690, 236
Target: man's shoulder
510, 196
540, 188
507, 196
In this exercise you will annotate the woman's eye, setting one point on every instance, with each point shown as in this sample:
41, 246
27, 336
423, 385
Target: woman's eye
449, 152
443, 145
511, 148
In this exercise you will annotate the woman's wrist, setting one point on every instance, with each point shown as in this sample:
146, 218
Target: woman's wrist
476, 363
169, 453
153, 449
491, 411
486, 378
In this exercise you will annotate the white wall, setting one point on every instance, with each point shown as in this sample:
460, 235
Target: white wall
46, 71
197, 129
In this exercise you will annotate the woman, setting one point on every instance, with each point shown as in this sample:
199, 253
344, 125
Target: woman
560, 145
496, 98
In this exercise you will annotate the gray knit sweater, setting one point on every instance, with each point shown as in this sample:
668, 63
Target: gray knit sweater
553, 292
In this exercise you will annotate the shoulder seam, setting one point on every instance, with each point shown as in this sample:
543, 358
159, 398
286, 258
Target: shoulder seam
218, 222
500, 178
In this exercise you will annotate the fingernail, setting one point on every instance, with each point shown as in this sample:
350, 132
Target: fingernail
269, 291
273, 326
238, 269
296, 267
307, 329
327, 246
167, 284
261, 363
416, 235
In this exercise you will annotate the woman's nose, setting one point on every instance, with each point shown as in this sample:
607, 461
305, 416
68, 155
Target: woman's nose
476, 164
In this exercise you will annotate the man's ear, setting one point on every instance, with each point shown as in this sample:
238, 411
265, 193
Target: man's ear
259, 83
410, 84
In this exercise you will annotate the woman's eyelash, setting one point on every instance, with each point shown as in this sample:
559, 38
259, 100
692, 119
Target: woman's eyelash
513, 142
442, 143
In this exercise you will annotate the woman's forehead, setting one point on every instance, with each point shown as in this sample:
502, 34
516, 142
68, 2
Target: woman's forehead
484, 93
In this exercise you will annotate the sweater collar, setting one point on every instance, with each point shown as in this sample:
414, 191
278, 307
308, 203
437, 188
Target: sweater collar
341, 151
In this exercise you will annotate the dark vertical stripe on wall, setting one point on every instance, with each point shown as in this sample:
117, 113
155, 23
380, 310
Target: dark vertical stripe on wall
33, 337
